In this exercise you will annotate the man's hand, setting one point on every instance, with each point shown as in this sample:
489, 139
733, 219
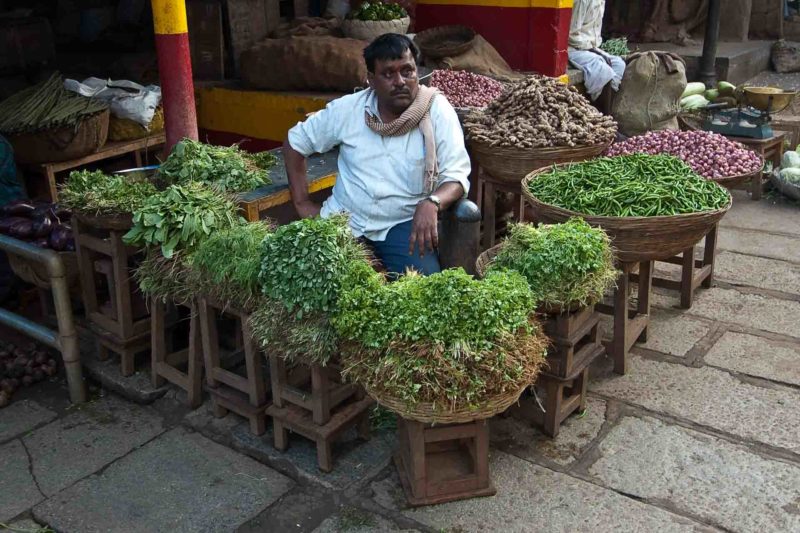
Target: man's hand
307, 209
424, 228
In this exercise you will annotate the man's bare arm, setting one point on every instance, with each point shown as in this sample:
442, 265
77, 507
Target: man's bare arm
424, 228
296, 170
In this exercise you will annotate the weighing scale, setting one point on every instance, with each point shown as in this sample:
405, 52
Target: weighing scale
751, 117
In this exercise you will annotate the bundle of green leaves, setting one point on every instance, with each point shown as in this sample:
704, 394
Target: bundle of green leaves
305, 263
310, 339
565, 264
227, 168
96, 193
181, 217
164, 279
446, 339
228, 262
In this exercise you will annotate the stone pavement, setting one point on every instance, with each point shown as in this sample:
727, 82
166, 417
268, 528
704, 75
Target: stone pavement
703, 434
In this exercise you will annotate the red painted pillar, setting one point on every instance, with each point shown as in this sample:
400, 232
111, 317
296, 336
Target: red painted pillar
175, 70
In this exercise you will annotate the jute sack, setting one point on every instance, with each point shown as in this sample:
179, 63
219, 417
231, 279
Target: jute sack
650, 93
305, 64
481, 58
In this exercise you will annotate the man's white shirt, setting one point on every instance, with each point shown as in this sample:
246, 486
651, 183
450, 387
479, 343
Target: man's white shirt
381, 179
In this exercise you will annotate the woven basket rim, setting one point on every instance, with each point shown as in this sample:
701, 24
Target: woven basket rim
535, 152
567, 212
426, 40
368, 23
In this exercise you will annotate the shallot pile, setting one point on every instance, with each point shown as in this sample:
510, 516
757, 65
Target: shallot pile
465, 89
539, 112
709, 154
23, 367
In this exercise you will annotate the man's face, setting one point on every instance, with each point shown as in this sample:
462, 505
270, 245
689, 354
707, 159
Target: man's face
395, 82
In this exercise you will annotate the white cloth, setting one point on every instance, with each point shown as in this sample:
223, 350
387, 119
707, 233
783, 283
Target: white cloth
127, 99
586, 23
381, 179
596, 70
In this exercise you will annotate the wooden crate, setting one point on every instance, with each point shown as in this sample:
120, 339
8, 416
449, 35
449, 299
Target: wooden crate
245, 395
312, 400
443, 463
166, 361
575, 341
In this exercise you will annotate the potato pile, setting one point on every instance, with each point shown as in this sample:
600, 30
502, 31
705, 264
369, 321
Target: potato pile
22, 367
540, 112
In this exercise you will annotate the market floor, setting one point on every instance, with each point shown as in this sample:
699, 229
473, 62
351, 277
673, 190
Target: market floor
701, 435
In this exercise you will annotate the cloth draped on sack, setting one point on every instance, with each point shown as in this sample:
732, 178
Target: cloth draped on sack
417, 114
597, 71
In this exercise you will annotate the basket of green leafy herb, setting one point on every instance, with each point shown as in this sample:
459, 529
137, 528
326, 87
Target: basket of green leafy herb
180, 217
653, 207
616, 47
304, 266
567, 266
373, 19
228, 168
103, 200
445, 348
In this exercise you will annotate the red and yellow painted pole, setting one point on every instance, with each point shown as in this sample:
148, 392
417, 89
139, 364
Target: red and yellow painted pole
175, 70
531, 35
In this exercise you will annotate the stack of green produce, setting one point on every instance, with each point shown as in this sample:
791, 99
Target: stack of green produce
566, 265
228, 168
695, 96
637, 185
304, 266
378, 11
46, 106
447, 339
616, 47
97, 193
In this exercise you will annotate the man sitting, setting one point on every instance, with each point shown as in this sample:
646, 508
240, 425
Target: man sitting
401, 158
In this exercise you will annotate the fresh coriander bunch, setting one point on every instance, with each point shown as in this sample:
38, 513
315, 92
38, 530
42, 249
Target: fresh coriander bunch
228, 168
180, 218
565, 264
97, 193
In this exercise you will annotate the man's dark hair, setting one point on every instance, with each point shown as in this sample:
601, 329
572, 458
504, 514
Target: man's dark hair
388, 47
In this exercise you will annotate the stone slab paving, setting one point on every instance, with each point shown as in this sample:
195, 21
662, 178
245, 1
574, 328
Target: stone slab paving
719, 482
86, 440
766, 215
136, 388
353, 520
759, 272
22, 416
749, 310
178, 482
18, 491
353, 459
758, 243
709, 397
673, 333
533, 498
756, 356
518, 436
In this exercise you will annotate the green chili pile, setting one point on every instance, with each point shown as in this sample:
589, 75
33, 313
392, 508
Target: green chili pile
637, 185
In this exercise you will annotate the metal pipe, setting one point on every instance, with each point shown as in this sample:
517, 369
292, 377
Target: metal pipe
175, 70
30, 328
708, 71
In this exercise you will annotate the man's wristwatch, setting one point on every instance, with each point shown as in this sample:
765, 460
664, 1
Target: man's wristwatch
435, 200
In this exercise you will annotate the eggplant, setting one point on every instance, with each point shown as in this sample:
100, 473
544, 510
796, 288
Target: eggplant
21, 229
7, 223
42, 242
18, 208
70, 245
43, 226
59, 237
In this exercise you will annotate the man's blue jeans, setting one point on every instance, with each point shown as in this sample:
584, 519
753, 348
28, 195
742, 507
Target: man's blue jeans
393, 253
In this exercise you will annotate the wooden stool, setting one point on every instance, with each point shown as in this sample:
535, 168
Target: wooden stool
244, 395
575, 341
126, 350
564, 396
102, 251
311, 400
695, 273
166, 362
487, 187
630, 326
443, 463
770, 149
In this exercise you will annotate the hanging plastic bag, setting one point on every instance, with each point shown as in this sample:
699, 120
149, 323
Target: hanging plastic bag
127, 99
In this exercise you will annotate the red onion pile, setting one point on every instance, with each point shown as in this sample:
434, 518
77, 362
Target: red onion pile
465, 89
709, 154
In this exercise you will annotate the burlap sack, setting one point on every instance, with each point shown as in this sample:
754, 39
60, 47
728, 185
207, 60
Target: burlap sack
482, 58
650, 92
305, 64
786, 56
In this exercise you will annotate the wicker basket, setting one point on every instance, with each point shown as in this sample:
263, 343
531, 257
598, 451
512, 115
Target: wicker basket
636, 239
125, 129
513, 164
789, 189
429, 414
35, 272
731, 182
368, 30
445, 41
62, 144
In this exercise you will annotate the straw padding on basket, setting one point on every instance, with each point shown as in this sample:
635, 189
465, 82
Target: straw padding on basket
428, 413
513, 164
635, 238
